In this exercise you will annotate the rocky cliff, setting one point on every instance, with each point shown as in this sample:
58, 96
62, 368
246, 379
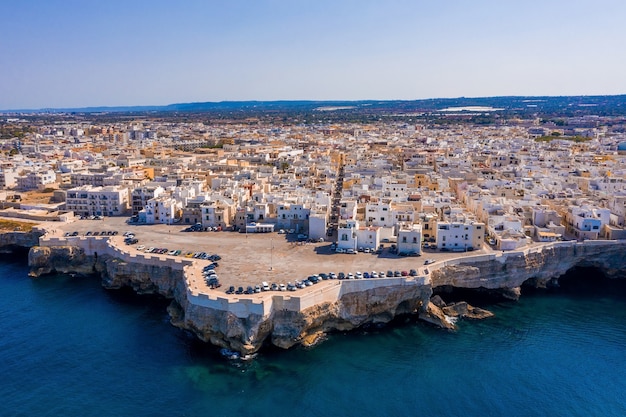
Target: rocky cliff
115, 273
62, 259
285, 328
11, 240
538, 267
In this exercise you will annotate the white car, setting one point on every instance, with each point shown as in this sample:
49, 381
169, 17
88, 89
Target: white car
282, 287
429, 261
141, 247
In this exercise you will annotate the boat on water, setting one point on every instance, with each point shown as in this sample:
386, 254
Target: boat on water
234, 355
230, 354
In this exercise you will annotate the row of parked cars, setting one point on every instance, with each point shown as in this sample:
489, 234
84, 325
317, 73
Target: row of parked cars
103, 233
314, 279
210, 276
199, 228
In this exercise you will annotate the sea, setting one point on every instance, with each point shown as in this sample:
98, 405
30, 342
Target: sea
68, 347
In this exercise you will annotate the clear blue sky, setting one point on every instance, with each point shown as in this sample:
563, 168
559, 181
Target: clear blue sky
63, 53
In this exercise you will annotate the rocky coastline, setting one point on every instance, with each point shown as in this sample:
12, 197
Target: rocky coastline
505, 273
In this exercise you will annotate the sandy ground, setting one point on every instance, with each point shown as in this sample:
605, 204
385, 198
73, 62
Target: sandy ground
253, 258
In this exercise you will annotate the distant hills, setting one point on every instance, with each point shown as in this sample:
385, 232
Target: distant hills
561, 105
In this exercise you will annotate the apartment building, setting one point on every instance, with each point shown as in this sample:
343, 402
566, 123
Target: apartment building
141, 195
160, 210
459, 236
8, 178
36, 180
98, 201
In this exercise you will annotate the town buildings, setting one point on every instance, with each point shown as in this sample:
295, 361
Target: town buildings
455, 187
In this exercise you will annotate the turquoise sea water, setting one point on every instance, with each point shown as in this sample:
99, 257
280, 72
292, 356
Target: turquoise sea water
70, 348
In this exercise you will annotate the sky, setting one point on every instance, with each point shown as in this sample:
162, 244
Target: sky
64, 53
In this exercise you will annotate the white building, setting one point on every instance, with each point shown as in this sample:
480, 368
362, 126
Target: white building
410, 239
8, 178
368, 237
98, 201
457, 236
141, 196
160, 210
346, 235
36, 180
586, 222
317, 225
379, 214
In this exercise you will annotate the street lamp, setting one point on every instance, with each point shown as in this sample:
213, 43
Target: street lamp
271, 252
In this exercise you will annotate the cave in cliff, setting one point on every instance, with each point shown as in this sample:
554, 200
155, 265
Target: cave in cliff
583, 281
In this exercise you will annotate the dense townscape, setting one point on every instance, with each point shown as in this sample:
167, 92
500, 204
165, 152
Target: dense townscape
287, 201
447, 187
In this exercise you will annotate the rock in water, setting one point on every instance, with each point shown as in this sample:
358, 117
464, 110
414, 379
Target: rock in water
436, 316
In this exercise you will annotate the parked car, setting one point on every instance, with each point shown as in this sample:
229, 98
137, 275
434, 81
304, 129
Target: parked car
429, 261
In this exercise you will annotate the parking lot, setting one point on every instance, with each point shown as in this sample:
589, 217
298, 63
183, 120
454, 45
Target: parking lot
249, 259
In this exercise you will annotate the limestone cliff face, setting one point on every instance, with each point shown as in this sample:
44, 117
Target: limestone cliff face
539, 267
288, 328
11, 240
62, 259
115, 273
142, 278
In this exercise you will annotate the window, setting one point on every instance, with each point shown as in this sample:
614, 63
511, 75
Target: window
344, 236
